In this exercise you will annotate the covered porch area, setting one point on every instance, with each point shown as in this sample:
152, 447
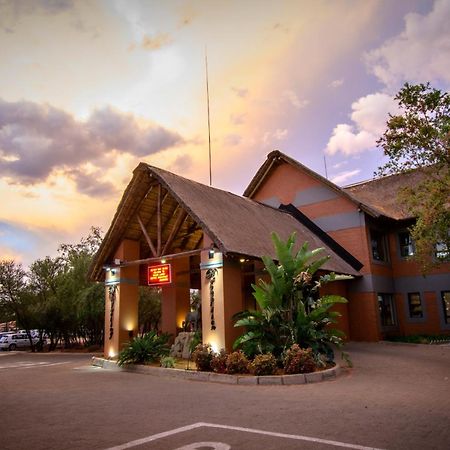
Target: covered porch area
178, 234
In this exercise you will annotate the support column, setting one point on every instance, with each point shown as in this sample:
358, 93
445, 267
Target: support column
121, 300
176, 297
221, 299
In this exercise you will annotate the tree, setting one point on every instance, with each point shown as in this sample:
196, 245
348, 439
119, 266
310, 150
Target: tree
15, 298
149, 308
418, 138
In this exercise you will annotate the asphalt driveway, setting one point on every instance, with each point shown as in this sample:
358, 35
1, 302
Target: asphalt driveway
395, 397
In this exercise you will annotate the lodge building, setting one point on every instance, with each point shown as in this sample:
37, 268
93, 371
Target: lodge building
185, 235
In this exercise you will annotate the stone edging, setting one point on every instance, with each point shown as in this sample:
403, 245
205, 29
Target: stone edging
301, 378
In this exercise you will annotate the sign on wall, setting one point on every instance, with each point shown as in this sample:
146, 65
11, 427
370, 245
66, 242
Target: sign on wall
159, 274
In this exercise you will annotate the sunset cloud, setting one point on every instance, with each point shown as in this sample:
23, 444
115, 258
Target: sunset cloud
156, 42
293, 99
36, 139
343, 177
420, 53
369, 117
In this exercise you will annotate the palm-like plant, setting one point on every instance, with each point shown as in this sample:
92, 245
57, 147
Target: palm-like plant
290, 309
148, 348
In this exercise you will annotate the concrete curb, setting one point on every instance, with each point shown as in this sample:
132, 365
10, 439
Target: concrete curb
212, 377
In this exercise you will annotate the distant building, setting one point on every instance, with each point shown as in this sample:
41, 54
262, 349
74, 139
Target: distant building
180, 235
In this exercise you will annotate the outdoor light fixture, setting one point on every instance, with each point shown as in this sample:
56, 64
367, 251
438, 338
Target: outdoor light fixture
211, 252
242, 260
163, 261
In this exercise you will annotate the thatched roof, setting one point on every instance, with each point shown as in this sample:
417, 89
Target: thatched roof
237, 225
382, 194
378, 197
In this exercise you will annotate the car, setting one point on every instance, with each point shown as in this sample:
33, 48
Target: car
15, 340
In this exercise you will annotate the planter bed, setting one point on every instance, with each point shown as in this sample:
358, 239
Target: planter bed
212, 377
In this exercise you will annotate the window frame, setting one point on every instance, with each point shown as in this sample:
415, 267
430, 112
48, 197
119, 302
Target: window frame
393, 312
410, 245
408, 300
384, 245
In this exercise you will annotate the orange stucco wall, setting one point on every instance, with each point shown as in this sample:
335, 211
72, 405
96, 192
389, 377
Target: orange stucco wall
125, 313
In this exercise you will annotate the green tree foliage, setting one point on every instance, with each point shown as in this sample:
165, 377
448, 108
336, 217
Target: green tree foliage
55, 297
290, 307
418, 137
149, 308
16, 300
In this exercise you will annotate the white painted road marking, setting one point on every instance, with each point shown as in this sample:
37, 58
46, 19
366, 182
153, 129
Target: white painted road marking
154, 437
212, 445
25, 365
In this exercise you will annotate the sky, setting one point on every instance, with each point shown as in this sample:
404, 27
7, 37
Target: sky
89, 88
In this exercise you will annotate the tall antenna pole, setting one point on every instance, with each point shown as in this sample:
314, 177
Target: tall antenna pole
209, 124
325, 163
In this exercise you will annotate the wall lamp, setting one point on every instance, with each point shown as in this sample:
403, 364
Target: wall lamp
211, 252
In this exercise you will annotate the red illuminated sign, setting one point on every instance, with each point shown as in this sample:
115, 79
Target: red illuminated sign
159, 274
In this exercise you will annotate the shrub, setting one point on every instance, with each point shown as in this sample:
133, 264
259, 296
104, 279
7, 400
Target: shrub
219, 362
168, 362
237, 362
298, 360
145, 349
264, 365
202, 357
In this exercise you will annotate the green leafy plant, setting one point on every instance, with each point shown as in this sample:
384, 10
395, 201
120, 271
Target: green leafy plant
202, 357
265, 364
148, 348
298, 360
237, 362
167, 362
290, 307
417, 137
219, 361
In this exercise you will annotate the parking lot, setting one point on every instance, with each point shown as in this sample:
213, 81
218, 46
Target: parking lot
395, 397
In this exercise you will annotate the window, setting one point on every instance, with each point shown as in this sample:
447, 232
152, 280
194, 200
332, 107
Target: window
379, 246
441, 251
406, 244
387, 310
446, 305
415, 305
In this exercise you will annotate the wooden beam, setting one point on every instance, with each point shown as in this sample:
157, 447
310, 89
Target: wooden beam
158, 221
147, 237
158, 259
176, 227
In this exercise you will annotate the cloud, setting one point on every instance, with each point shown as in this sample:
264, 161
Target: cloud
90, 183
12, 11
237, 119
342, 177
231, 140
369, 117
292, 98
152, 43
181, 164
156, 42
278, 135
240, 92
25, 243
37, 139
281, 27
336, 83
420, 53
